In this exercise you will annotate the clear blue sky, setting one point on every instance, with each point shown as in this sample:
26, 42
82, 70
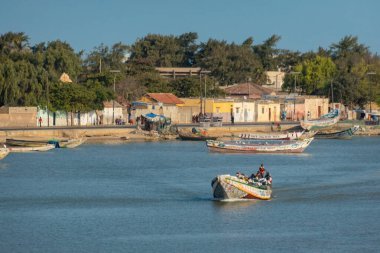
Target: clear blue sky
303, 24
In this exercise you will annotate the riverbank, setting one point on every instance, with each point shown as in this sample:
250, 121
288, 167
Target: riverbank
130, 134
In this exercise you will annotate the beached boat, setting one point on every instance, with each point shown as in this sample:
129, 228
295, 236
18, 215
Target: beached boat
324, 121
3, 152
272, 135
195, 137
42, 148
245, 146
232, 187
72, 143
343, 134
25, 142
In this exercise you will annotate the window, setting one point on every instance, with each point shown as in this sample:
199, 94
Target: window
217, 109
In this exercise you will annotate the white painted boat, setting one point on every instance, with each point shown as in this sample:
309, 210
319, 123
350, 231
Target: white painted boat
232, 187
326, 120
3, 152
72, 143
265, 146
272, 136
42, 148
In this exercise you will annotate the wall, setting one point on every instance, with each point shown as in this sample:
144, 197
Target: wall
244, 111
19, 117
262, 109
312, 104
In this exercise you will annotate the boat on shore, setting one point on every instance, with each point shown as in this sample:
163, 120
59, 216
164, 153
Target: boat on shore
232, 187
345, 134
272, 135
196, 137
266, 146
3, 152
324, 121
25, 142
42, 148
72, 143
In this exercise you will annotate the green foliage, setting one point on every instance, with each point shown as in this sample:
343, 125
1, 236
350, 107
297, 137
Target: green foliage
29, 75
230, 63
314, 76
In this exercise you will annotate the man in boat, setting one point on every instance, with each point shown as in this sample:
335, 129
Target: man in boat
259, 174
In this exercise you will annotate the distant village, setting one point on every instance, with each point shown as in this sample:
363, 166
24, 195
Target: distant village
243, 103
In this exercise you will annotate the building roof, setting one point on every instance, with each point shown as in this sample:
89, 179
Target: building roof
65, 78
109, 104
248, 89
165, 98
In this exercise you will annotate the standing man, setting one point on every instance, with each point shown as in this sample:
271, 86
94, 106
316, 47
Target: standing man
232, 116
40, 121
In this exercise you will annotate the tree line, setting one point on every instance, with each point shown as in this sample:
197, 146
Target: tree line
29, 74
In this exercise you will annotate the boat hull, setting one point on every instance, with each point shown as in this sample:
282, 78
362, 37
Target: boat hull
3, 152
272, 136
287, 147
72, 143
196, 137
344, 135
31, 149
231, 187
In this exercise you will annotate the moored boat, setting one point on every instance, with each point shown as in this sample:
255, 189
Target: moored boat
3, 152
324, 121
232, 187
25, 142
272, 136
42, 148
72, 143
195, 137
343, 134
296, 146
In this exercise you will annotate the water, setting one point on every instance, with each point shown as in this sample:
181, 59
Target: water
156, 197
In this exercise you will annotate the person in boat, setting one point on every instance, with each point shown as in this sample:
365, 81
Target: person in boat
261, 172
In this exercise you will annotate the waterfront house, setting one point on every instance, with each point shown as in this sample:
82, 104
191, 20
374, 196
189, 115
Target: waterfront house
267, 111
158, 103
111, 110
244, 110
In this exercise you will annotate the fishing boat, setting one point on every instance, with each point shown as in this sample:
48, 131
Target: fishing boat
295, 146
25, 142
195, 137
232, 187
324, 121
3, 152
343, 134
42, 148
272, 136
72, 143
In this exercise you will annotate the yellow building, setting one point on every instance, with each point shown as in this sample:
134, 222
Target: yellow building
267, 111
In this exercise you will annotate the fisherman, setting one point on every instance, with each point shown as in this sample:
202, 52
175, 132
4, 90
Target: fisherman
261, 172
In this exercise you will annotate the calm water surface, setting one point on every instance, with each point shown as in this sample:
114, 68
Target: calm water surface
156, 197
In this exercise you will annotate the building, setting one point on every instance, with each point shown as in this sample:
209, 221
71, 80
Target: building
267, 111
275, 80
247, 90
244, 110
18, 116
111, 110
158, 103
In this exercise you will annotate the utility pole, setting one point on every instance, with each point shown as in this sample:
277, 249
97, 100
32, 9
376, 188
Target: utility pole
332, 91
370, 91
295, 84
114, 91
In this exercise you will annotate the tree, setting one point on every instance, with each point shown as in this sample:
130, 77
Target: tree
315, 76
230, 63
267, 52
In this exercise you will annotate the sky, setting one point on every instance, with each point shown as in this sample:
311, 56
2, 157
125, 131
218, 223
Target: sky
303, 25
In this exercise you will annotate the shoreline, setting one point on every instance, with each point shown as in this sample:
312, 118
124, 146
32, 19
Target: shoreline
126, 135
